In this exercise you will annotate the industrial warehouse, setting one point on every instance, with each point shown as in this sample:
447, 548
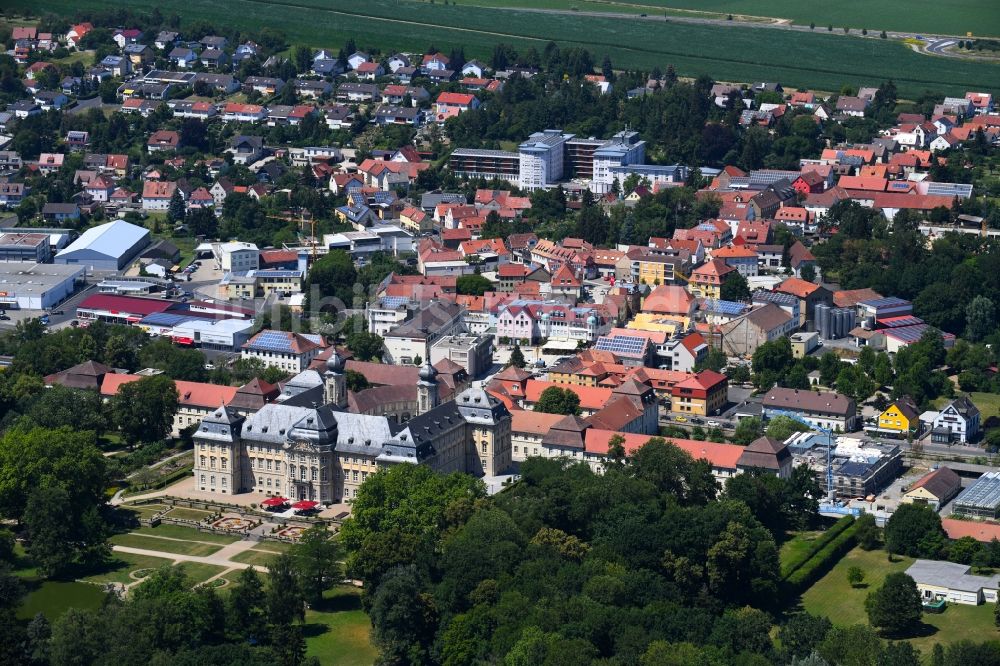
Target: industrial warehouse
32, 286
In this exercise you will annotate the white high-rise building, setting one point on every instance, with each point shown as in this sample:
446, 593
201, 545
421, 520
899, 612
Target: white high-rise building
541, 163
623, 149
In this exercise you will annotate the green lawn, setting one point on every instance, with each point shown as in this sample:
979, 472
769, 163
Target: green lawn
728, 52
337, 632
122, 564
143, 510
199, 573
273, 546
795, 547
183, 513
188, 533
53, 597
833, 597
165, 545
253, 557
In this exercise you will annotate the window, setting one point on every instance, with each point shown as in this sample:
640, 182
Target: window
202, 461
355, 475
224, 480
315, 474
302, 473
212, 481
212, 462
269, 465
223, 463
269, 483
292, 470
203, 479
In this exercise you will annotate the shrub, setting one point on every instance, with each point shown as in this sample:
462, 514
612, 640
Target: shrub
822, 561
817, 545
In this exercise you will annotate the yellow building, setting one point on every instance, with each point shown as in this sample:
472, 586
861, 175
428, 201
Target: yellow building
647, 321
901, 417
653, 270
707, 279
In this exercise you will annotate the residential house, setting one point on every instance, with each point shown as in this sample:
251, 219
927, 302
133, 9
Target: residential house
246, 149
163, 140
156, 194
707, 279
701, 394
742, 258
182, 57
243, 113
852, 106
449, 104
829, 410
958, 422
164, 39
139, 54
900, 419
60, 212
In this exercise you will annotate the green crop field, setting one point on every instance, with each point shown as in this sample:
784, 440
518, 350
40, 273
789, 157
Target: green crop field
955, 18
724, 52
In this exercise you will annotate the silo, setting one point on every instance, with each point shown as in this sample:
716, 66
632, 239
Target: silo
851, 320
823, 320
837, 318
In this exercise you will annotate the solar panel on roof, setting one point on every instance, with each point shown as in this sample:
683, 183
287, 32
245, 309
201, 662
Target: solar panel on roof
963, 190
622, 344
164, 319
907, 333
278, 273
394, 301
272, 341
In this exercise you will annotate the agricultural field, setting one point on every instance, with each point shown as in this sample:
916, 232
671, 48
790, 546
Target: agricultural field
724, 52
961, 16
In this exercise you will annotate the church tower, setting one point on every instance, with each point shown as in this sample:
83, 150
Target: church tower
428, 391
335, 382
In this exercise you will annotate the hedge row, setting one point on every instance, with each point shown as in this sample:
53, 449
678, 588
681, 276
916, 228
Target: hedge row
842, 524
822, 561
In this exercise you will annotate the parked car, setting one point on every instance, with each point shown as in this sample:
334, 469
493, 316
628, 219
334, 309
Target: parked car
680, 419
713, 424
4, 316
56, 312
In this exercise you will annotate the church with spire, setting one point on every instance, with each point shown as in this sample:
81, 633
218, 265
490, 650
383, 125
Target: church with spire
307, 445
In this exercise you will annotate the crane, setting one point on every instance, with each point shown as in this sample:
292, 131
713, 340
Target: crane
831, 495
302, 221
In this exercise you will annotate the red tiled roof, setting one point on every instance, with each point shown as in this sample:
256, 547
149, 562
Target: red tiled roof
591, 398
194, 394
797, 287
457, 99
